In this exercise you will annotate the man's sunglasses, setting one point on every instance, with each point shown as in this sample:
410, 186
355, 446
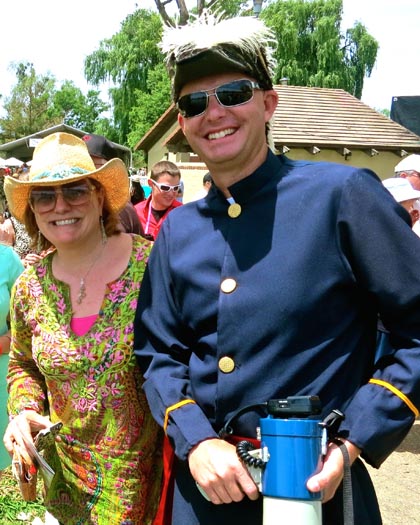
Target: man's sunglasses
165, 187
42, 200
232, 94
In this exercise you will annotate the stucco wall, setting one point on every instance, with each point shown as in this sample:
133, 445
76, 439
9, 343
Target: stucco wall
158, 151
382, 164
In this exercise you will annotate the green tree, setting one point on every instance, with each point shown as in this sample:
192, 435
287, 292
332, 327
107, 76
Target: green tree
27, 108
312, 51
77, 110
36, 104
125, 59
149, 105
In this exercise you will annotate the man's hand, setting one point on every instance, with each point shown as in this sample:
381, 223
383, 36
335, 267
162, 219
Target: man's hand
331, 474
216, 467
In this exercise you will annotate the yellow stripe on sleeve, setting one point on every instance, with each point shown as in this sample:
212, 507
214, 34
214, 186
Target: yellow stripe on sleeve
397, 392
175, 407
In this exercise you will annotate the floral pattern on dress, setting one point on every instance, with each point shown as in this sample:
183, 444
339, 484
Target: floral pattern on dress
108, 462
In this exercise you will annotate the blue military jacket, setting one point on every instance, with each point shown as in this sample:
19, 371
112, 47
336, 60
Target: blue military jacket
283, 300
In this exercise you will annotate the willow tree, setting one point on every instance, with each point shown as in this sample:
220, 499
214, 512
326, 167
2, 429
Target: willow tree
312, 49
125, 60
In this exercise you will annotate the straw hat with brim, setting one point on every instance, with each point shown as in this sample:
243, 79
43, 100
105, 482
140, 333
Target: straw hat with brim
62, 158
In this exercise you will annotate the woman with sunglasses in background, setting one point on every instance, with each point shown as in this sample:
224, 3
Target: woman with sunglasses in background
71, 355
165, 182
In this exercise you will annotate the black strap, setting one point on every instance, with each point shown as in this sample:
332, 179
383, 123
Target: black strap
227, 429
348, 511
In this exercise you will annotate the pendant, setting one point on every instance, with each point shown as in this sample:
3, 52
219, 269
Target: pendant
82, 291
234, 210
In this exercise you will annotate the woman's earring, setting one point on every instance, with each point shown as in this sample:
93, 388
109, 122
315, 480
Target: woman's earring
39, 242
103, 231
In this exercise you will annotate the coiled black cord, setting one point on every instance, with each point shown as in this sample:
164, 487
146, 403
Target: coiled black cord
242, 449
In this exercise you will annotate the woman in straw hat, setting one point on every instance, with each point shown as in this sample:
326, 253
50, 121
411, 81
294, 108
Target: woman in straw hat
71, 353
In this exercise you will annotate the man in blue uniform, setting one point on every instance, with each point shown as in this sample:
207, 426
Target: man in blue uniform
269, 287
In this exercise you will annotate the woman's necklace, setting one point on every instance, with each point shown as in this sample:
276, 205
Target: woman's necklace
82, 285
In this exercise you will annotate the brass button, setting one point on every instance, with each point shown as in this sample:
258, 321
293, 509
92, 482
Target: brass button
234, 210
228, 285
226, 364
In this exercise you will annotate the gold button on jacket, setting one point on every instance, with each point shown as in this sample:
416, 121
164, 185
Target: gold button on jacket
228, 285
226, 364
234, 210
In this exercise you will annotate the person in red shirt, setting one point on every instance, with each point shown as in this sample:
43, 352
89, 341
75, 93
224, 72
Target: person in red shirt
165, 181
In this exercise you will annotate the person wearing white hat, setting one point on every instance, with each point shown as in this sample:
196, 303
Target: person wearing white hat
404, 193
71, 351
409, 168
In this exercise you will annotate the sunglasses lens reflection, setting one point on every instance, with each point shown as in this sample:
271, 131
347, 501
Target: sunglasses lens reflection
231, 94
193, 104
45, 200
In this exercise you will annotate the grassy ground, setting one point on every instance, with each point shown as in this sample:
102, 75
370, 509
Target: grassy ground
13, 510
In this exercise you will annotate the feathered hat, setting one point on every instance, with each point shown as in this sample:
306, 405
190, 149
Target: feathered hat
211, 45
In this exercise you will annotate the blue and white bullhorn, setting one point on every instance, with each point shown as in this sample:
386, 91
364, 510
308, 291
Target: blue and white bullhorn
293, 442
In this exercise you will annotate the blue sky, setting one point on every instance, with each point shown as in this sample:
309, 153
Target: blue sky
57, 36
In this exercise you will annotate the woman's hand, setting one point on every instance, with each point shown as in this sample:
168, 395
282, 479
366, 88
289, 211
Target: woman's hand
4, 343
22, 427
31, 258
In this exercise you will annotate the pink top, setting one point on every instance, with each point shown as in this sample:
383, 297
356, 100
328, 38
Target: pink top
82, 325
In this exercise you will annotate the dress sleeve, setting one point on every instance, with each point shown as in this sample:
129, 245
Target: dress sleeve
27, 388
381, 251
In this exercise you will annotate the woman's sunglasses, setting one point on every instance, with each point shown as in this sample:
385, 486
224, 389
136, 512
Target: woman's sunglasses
45, 199
231, 94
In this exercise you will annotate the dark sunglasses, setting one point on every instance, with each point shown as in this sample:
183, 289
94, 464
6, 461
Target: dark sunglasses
231, 94
165, 187
42, 200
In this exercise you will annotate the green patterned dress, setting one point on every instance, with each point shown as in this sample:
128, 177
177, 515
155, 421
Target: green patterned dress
108, 462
